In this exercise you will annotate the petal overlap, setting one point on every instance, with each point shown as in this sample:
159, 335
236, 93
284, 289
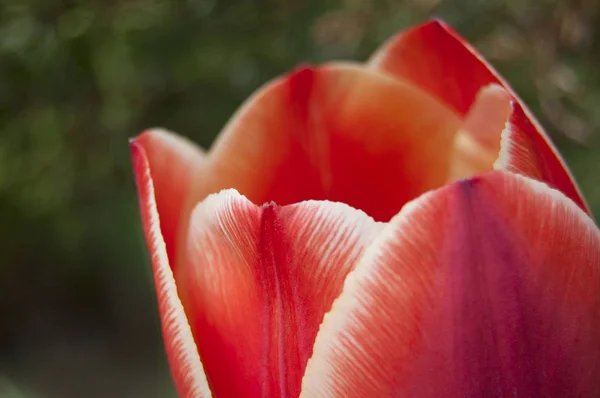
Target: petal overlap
524, 151
437, 59
176, 166
186, 367
487, 287
336, 132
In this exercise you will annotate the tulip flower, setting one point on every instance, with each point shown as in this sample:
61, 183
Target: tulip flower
403, 227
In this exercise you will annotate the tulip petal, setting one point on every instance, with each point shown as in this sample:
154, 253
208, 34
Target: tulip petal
337, 132
526, 152
477, 143
435, 58
488, 287
175, 165
186, 368
258, 282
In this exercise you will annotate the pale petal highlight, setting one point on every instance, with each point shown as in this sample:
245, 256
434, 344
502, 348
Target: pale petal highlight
477, 143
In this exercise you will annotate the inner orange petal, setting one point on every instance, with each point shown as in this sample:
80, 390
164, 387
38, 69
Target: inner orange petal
338, 132
477, 142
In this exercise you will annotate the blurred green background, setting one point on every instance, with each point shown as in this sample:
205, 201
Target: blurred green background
78, 314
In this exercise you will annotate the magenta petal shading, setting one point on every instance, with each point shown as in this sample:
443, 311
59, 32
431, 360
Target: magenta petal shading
488, 287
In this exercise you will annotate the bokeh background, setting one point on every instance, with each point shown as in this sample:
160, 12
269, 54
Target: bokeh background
78, 314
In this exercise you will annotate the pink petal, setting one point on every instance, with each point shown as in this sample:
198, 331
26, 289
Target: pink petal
175, 165
488, 287
186, 367
435, 58
338, 132
258, 282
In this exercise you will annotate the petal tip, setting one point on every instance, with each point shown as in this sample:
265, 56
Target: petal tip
138, 157
301, 80
496, 89
303, 67
436, 20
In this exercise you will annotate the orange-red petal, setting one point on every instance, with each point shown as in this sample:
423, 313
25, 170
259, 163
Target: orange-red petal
338, 132
257, 283
186, 367
434, 57
437, 59
175, 165
488, 287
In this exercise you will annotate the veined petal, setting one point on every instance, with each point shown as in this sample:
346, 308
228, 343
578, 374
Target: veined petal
258, 282
186, 368
175, 165
435, 58
338, 132
488, 287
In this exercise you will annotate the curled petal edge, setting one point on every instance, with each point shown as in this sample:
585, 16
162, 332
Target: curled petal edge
186, 366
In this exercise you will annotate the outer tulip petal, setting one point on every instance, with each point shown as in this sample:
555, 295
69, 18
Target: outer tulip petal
258, 283
488, 287
338, 132
525, 151
175, 165
186, 368
435, 58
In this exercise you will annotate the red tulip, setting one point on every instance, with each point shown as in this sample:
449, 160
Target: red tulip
427, 239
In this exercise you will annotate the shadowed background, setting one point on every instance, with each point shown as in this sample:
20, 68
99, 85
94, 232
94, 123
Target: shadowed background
78, 314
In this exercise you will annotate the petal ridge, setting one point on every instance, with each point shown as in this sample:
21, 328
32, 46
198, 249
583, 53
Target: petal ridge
258, 282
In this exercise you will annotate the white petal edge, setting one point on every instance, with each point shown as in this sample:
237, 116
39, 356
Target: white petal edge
182, 353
